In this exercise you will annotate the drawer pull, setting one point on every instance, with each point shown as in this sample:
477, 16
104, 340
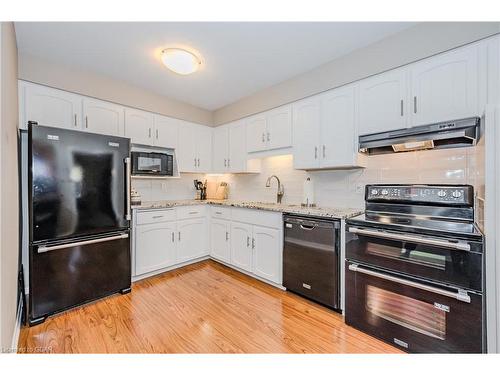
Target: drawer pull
157, 217
193, 212
218, 212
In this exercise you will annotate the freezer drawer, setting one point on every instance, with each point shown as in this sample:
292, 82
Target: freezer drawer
64, 275
310, 259
416, 316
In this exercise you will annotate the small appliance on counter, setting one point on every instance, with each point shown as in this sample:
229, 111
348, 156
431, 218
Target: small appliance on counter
414, 269
308, 200
135, 198
201, 190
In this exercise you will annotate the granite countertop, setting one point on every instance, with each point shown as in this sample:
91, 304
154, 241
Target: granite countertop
331, 212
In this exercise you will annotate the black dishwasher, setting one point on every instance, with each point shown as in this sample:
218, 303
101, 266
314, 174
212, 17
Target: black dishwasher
311, 258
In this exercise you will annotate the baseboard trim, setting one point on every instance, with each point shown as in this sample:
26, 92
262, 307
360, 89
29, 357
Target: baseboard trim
17, 329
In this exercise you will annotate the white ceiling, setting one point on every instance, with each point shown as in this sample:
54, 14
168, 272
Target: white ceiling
239, 58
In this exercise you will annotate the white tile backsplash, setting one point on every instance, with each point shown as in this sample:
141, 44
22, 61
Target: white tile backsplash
342, 188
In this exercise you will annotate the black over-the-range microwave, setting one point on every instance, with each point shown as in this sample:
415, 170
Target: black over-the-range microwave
152, 164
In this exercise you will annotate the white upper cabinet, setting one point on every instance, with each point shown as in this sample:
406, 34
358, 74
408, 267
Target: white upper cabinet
139, 126
445, 87
338, 146
382, 102
256, 133
166, 131
270, 130
194, 152
221, 149
103, 117
306, 130
279, 127
48, 106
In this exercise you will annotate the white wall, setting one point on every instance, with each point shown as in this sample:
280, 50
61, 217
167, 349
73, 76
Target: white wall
9, 192
423, 40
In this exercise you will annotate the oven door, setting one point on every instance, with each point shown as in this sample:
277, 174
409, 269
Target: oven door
457, 263
415, 316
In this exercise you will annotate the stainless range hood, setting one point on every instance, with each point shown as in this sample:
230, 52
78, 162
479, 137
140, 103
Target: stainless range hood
457, 133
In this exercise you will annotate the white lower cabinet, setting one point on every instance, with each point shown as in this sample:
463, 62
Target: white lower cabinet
241, 246
220, 241
192, 241
155, 247
267, 253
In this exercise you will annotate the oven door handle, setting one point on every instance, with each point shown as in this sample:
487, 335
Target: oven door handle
460, 245
460, 296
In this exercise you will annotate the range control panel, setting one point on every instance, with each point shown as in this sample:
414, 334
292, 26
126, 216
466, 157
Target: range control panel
442, 194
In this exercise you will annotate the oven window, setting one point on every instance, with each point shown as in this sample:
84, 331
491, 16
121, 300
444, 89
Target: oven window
411, 253
408, 312
148, 163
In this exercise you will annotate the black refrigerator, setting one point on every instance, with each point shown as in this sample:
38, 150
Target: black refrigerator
79, 218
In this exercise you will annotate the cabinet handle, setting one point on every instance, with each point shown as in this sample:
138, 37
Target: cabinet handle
173, 237
402, 113
149, 132
225, 163
315, 152
179, 236
195, 162
253, 243
218, 212
268, 136
75, 120
228, 163
324, 151
193, 212
263, 137
414, 104
198, 162
248, 241
156, 133
157, 216
227, 236
86, 122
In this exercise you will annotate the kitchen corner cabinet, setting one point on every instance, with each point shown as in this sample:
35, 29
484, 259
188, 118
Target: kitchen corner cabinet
48, 106
270, 130
195, 148
445, 87
103, 117
220, 241
383, 103
324, 133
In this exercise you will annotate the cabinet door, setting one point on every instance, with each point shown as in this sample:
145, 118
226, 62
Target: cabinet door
154, 247
337, 147
445, 87
50, 107
237, 147
139, 126
382, 102
103, 117
186, 149
219, 240
279, 127
204, 149
166, 131
192, 241
241, 246
256, 133
220, 147
267, 253
306, 127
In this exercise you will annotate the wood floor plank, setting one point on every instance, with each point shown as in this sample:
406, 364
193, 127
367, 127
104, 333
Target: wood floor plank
202, 308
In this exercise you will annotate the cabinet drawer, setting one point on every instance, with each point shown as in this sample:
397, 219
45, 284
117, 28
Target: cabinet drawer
220, 212
155, 216
258, 217
190, 212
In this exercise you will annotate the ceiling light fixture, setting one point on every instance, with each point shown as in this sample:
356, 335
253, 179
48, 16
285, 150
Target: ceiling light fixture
180, 61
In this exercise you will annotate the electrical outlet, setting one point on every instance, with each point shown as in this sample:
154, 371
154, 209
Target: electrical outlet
164, 186
360, 188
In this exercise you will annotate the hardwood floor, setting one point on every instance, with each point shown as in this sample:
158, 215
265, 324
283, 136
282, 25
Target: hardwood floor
202, 308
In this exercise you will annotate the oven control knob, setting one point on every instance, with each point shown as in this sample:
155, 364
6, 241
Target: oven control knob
374, 192
441, 193
385, 191
456, 194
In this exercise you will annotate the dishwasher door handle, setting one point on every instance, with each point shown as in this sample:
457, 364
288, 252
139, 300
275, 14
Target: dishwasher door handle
307, 227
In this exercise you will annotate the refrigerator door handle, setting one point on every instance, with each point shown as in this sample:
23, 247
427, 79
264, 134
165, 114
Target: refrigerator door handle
44, 249
128, 177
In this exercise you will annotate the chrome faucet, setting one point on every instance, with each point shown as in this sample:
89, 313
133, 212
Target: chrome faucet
281, 189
